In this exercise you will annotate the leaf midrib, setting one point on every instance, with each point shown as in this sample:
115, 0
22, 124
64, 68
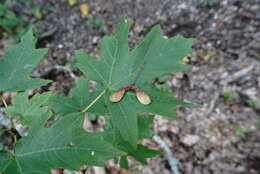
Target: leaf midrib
55, 150
138, 70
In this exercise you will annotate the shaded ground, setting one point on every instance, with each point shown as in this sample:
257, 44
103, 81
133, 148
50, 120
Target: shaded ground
226, 61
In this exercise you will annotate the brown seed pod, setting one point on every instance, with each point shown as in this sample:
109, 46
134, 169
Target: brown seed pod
117, 96
143, 97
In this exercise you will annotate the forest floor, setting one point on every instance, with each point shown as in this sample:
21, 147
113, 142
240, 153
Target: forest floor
219, 138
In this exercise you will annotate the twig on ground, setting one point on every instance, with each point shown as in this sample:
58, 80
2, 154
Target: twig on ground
213, 103
238, 74
174, 162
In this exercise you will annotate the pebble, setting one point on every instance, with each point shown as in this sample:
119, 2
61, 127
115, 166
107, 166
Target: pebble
22, 130
190, 140
5, 121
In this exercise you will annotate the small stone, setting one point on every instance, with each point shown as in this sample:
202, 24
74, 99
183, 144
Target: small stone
5, 121
60, 46
251, 92
22, 130
213, 156
95, 39
190, 140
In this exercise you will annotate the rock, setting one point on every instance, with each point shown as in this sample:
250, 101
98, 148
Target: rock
213, 156
22, 130
190, 140
4, 120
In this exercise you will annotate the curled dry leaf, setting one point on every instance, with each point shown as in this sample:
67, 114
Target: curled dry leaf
84, 9
143, 97
72, 2
117, 96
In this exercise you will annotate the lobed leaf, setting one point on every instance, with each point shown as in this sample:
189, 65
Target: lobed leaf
118, 68
18, 63
63, 145
78, 100
29, 110
141, 153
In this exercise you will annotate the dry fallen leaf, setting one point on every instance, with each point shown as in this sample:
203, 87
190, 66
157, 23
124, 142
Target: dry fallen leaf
84, 9
72, 2
117, 96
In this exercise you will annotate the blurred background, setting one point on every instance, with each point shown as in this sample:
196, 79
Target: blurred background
223, 137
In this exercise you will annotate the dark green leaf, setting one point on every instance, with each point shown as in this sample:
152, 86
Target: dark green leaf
145, 124
124, 162
18, 63
79, 99
119, 67
29, 110
64, 145
140, 152
5, 160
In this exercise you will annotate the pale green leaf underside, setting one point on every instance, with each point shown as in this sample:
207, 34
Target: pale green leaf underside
18, 63
118, 67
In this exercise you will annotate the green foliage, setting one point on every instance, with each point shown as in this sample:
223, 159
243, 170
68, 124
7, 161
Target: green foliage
18, 63
162, 83
27, 109
209, 3
97, 22
79, 99
9, 21
140, 153
64, 144
37, 13
229, 95
13, 24
120, 67
258, 124
66, 139
252, 103
241, 132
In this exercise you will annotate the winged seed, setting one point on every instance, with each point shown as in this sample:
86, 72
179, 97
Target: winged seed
117, 96
143, 97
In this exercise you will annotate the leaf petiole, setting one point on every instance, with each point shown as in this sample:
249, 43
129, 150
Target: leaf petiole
94, 101
4, 102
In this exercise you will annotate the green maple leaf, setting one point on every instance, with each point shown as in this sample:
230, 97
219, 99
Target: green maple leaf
63, 145
145, 124
79, 99
5, 160
141, 153
119, 67
18, 63
27, 109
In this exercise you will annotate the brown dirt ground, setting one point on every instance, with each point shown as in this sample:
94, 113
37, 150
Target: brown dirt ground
227, 59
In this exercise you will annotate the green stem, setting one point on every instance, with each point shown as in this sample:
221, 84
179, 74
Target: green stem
94, 101
4, 102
